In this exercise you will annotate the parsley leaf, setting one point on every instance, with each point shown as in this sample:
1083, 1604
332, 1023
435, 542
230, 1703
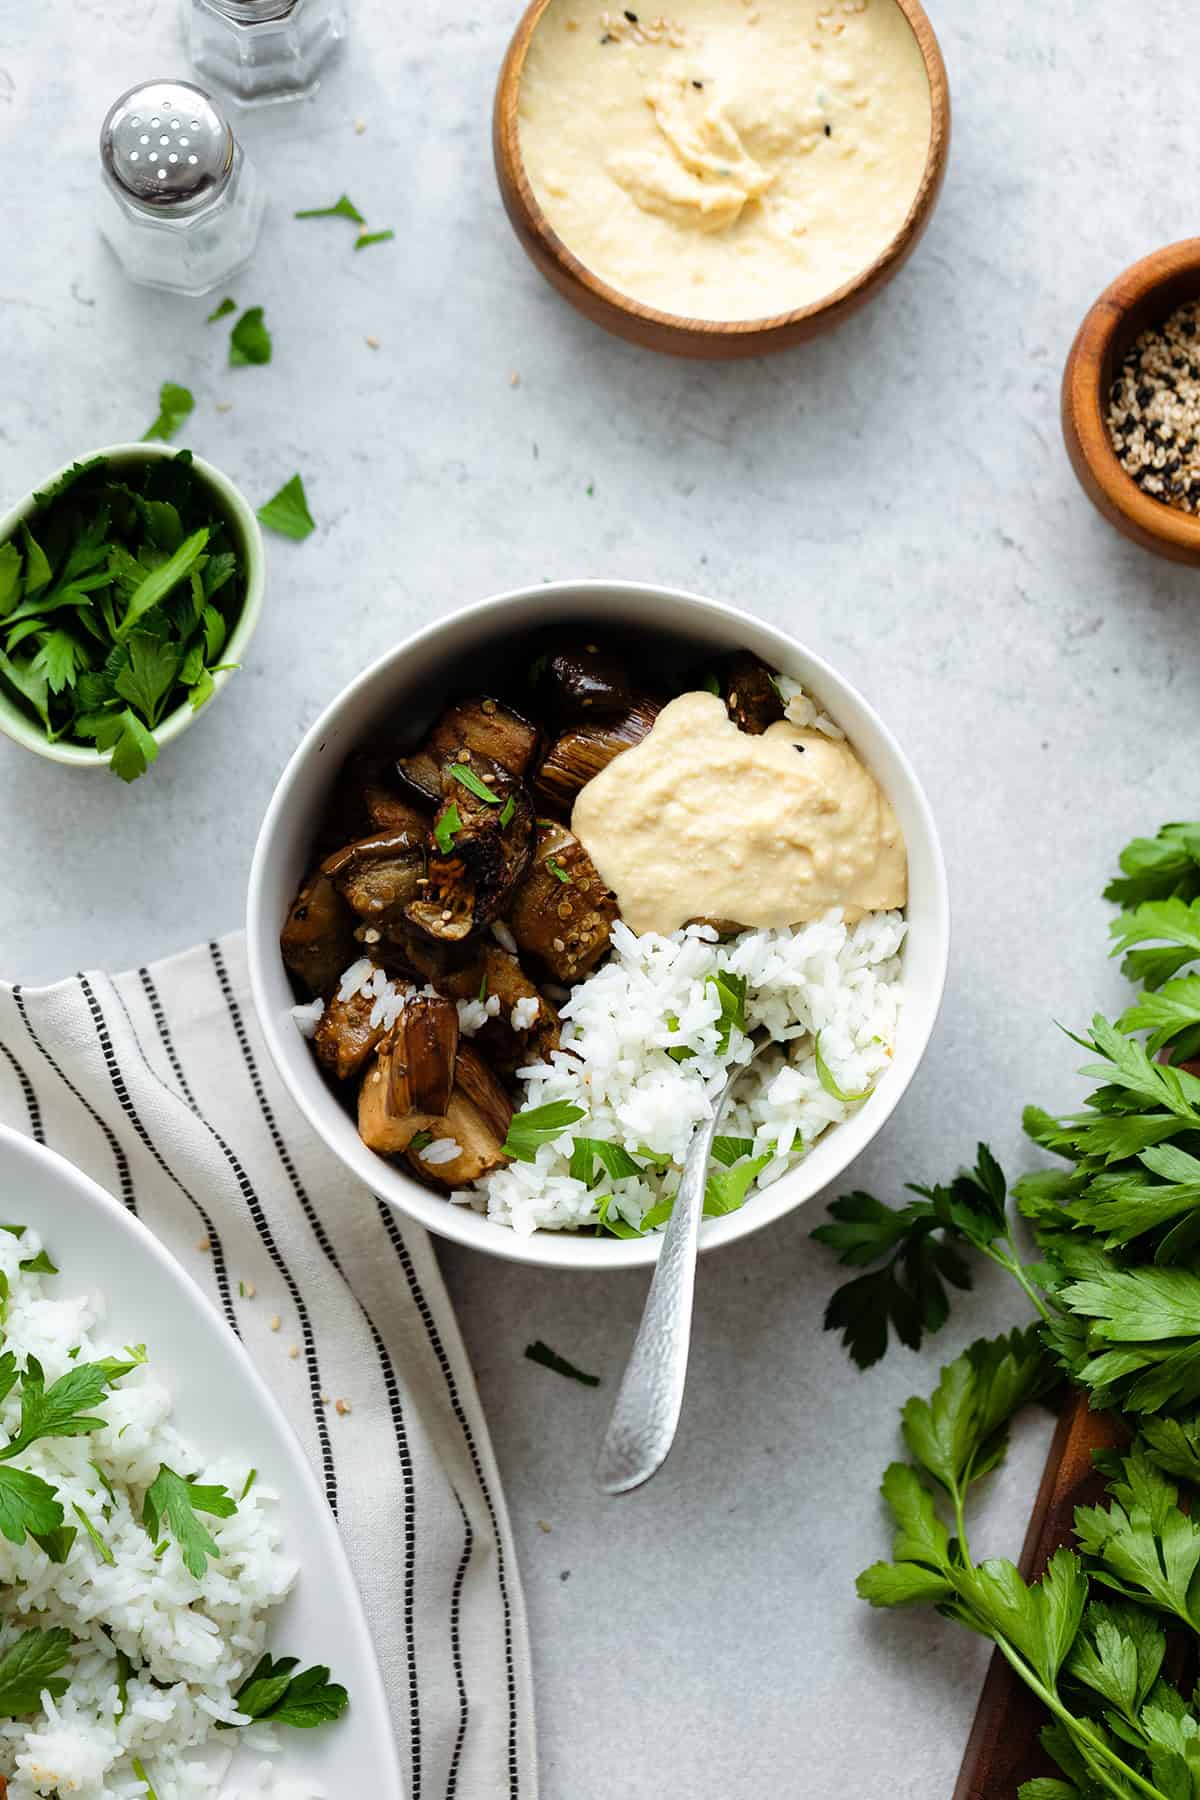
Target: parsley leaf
474, 785
366, 238
539, 1125
60, 659
725, 1190
249, 341
731, 995
445, 828
341, 209
31, 1665
133, 747
1145, 1547
550, 1359
175, 1502
149, 675
559, 873
222, 310
1158, 868
272, 1692
828, 1082
287, 511
175, 404
613, 1158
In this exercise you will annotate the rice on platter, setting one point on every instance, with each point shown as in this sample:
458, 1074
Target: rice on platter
136, 1576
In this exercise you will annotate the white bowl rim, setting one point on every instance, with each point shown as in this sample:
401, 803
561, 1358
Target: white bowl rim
23, 731
559, 1249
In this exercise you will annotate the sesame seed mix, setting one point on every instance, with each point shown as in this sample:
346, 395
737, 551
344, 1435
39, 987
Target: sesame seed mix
1154, 411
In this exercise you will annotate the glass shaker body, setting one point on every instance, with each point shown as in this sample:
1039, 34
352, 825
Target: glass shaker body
261, 51
181, 206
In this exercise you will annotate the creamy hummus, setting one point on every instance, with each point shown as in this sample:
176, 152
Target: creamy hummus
735, 160
701, 820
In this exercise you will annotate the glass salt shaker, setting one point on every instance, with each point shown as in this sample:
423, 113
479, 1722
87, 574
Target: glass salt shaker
263, 50
182, 206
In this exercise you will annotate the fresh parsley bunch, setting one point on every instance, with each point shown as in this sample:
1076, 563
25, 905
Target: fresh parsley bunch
116, 599
1117, 1290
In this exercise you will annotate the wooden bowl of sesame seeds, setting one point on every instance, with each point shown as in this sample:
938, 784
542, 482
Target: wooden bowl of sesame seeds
705, 338
1131, 403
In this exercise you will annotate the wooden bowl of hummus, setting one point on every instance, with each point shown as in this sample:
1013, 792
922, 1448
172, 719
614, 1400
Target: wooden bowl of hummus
729, 179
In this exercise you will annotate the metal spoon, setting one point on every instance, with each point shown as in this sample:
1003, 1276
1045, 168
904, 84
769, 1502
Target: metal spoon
644, 1419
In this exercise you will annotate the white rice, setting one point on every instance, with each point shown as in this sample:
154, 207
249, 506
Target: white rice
191, 1642
840, 981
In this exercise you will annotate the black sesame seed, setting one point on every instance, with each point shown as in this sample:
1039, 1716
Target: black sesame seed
1143, 395
697, 84
829, 131
631, 16
608, 38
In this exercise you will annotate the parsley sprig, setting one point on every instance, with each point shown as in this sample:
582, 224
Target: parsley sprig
272, 1692
175, 1502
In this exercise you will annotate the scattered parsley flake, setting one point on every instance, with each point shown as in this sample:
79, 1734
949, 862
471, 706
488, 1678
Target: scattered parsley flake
366, 238
448, 822
341, 209
175, 404
550, 1359
222, 310
249, 341
474, 785
176, 1503
287, 511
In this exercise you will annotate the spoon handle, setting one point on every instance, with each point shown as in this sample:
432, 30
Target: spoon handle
642, 1428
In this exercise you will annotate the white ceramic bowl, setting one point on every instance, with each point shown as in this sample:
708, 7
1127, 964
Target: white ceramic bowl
411, 681
240, 514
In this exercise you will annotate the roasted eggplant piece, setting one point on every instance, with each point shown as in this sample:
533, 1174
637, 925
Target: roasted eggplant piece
751, 698
482, 726
563, 913
493, 840
345, 1036
477, 1119
505, 1046
380, 1126
317, 942
385, 809
379, 875
584, 682
579, 754
423, 1051
453, 968
445, 906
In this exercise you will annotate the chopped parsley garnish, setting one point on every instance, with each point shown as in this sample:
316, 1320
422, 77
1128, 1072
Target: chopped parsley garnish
366, 238
550, 1359
341, 209
540, 1125
611, 1221
725, 1190
272, 1692
483, 988
175, 404
728, 1150
249, 341
287, 511
39, 1265
510, 807
678, 1052
613, 1159
27, 1503
420, 1140
827, 1080
731, 993
222, 310
557, 870
176, 1503
475, 785
445, 826
115, 598
249, 1482
30, 1665
102, 1549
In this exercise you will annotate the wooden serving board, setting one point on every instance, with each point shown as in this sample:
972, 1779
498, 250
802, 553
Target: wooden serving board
1003, 1749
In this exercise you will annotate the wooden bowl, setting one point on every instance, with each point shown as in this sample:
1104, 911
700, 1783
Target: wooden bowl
1143, 296
710, 339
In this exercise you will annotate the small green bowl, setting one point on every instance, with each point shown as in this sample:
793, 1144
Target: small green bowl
240, 514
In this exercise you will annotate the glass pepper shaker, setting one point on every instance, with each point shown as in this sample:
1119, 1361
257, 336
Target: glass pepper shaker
263, 50
182, 207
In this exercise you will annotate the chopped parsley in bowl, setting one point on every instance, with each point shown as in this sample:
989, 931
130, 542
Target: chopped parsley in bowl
130, 586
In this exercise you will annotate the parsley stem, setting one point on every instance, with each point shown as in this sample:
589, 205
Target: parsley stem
1079, 1729
1017, 1270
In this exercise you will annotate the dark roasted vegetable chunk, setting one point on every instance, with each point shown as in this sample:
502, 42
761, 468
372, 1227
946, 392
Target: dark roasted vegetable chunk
445, 906
579, 754
483, 726
563, 913
584, 682
424, 1046
380, 1126
751, 697
345, 1036
317, 941
477, 1119
505, 1046
492, 839
379, 875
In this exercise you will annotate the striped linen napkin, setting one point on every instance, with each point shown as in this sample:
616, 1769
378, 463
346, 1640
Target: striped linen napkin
156, 1084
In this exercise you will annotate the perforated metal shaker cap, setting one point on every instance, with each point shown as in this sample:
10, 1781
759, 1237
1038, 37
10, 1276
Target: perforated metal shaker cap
165, 146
